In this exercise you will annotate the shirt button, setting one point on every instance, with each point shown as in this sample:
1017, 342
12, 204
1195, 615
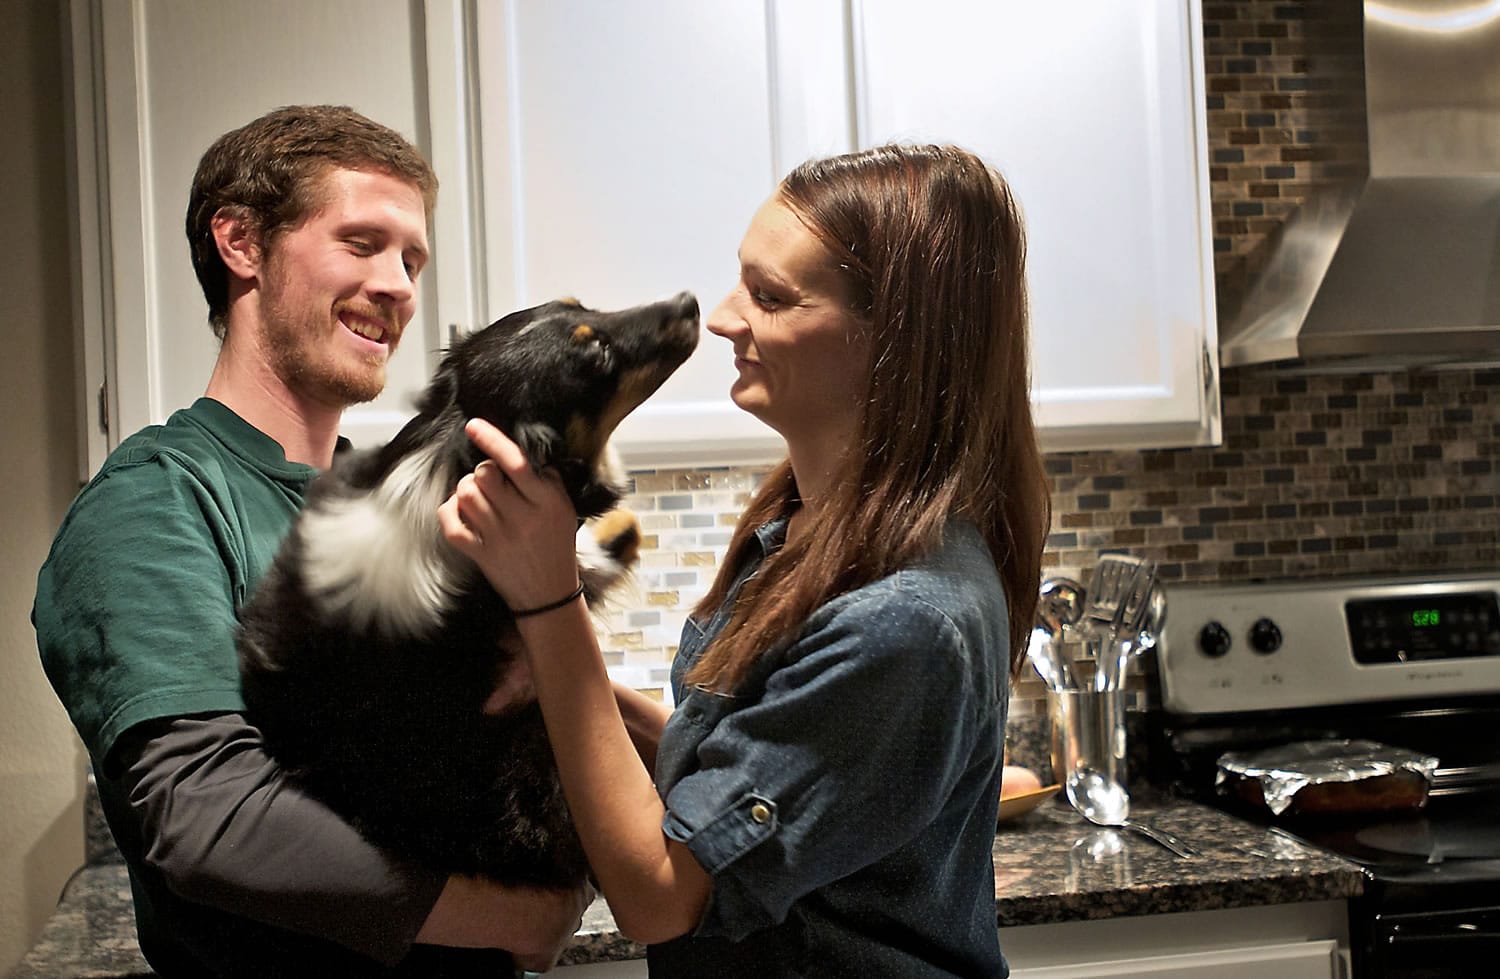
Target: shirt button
760, 812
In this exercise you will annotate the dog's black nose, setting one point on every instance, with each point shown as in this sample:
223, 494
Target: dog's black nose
683, 306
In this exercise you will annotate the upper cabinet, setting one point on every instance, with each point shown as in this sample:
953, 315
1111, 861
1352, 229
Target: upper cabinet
626, 146
1094, 111
615, 152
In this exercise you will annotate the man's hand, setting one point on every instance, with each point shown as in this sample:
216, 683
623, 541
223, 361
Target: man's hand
514, 686
534, 924
564, 909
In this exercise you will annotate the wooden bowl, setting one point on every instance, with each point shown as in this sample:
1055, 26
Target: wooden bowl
1015, 806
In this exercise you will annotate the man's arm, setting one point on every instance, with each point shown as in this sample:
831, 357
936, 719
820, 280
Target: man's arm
644, 719
227, 828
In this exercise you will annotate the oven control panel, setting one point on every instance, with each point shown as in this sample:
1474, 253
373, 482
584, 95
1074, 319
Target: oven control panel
1410, 628
1276, 645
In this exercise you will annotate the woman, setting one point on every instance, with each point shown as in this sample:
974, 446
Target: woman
825, 793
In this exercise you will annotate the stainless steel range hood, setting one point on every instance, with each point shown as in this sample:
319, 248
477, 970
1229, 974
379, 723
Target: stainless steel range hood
1402, 269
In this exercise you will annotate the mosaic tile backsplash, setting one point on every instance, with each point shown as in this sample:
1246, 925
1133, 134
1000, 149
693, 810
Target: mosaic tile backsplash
1317, 474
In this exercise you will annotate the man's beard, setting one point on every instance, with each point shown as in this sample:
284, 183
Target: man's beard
298, 341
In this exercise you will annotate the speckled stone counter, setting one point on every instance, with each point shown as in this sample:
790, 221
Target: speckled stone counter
92, 933
1050, 866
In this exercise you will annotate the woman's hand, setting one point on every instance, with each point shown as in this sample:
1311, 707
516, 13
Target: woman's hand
516, 523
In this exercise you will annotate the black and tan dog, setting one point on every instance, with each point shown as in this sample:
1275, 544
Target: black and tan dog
370, 648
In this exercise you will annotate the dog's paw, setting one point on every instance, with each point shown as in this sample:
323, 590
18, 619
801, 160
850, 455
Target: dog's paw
618, 534
608, 546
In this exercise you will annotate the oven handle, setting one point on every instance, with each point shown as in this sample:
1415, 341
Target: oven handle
1456, 934
1477, 925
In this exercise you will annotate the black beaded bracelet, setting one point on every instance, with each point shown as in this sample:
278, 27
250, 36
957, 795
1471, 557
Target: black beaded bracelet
522, 613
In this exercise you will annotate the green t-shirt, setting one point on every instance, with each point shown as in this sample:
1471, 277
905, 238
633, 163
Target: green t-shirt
136, 611
137, 603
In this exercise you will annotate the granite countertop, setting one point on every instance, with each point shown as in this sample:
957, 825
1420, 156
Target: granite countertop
1050, 866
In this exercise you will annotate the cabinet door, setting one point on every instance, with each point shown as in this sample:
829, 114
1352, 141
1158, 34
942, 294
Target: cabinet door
1293, 960
627, 969
1288, 941
625, 147
1093, 110
615, 152
156, 81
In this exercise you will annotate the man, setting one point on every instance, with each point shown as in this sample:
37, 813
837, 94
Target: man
308, 231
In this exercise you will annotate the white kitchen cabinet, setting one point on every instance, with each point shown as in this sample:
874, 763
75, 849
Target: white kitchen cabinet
1094, 110
628, 170
625, 969
614, 151
625, 147
1290, 941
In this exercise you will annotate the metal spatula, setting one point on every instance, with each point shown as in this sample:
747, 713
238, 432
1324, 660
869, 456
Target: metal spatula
1119, 598
1110, 587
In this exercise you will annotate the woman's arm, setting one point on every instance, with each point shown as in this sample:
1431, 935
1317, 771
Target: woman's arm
518, 526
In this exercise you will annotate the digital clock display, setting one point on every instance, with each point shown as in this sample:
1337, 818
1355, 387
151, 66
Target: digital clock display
1415, 627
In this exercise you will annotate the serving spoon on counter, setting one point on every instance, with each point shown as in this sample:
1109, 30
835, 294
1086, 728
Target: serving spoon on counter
1104, 802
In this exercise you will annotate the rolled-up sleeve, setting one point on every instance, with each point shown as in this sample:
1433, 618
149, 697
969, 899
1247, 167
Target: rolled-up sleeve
865, 724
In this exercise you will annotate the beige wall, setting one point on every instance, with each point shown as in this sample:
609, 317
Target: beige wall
41, 762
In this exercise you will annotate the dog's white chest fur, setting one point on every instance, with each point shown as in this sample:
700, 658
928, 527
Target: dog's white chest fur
380, 559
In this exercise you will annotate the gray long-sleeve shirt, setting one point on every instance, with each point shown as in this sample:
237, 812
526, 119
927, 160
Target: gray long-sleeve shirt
241, 872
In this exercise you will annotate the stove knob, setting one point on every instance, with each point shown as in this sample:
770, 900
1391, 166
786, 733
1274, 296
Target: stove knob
1214, 640
1265, 636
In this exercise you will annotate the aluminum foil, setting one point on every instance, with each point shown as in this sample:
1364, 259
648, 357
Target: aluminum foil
1285, 770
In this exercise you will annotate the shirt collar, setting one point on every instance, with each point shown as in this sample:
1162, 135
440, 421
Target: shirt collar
772, 535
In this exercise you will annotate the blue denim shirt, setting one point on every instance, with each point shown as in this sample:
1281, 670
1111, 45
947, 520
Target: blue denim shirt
843, 799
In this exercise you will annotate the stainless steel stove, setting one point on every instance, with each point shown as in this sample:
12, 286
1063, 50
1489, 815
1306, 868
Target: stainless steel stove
1412, 662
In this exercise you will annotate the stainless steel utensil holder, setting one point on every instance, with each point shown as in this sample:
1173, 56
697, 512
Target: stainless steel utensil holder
1088, 731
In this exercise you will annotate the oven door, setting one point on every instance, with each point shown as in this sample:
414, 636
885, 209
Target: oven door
1449, 944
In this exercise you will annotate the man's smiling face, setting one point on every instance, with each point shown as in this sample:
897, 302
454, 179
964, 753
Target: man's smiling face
338, 289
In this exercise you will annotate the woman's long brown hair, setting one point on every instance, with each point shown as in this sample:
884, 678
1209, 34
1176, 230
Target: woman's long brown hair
931, 243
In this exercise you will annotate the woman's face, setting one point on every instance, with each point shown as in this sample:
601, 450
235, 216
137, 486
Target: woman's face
802, 356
